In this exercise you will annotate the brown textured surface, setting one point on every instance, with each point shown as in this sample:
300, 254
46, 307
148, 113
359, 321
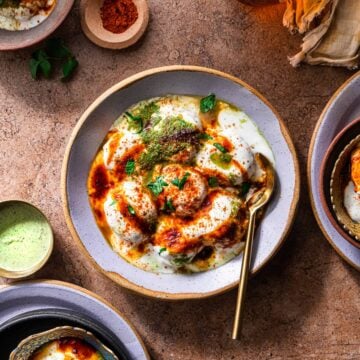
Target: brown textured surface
305, 303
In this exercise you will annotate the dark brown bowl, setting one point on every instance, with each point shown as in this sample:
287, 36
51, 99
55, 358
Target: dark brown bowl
15, 40
332, 154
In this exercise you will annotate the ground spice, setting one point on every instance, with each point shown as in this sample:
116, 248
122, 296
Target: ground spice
118, 15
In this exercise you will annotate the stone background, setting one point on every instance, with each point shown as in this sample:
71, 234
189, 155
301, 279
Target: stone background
305, 304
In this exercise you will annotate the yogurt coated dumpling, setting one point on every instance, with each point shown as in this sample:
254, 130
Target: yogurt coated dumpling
184, 106
119, 146
352, 202
129, 211
212, 221
188, 194
240, 166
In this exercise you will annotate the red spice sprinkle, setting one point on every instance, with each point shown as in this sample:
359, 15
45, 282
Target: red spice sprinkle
118, 15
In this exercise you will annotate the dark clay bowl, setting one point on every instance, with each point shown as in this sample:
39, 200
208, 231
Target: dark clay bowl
14, 330
338, 144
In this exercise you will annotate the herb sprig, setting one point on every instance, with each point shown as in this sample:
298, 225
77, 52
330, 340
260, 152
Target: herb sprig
213, 181
180, 183
131, 210
130, 167
42, 60
137, 121
208, 103
157, 186
168, 206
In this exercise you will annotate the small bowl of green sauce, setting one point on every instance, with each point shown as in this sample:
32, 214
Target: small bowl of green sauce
26, 239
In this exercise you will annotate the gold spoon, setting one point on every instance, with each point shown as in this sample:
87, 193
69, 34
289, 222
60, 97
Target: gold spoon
257, 201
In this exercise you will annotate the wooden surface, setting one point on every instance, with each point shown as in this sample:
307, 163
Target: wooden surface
306, 303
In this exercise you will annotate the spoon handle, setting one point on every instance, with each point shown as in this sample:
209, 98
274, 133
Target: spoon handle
245, 267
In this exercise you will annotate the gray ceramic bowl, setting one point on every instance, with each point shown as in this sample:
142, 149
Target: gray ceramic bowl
89, 134
14, 40
31, 344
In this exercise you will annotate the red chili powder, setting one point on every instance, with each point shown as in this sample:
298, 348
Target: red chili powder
118, 15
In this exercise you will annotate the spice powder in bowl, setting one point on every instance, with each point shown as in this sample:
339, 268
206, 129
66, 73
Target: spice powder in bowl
118, 15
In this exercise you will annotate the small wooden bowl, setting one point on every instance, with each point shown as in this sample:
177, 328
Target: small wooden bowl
91, 24
327, 177
339, 179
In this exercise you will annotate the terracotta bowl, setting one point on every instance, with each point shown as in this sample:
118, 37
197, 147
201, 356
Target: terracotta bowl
334, 153
91, 24
14, 40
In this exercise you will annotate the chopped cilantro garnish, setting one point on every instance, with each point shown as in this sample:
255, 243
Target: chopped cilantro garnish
136, 121
205, 136
131, 210
181, 260
168, 206
213, 181
181, 182
130, 167
220, 148
157, 186
207, 103
245, 187
114, 202
162, 250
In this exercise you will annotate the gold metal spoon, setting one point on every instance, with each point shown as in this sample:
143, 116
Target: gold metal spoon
257, 201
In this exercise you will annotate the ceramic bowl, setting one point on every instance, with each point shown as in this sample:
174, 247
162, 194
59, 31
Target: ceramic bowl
18, 274
14, 40
88, 135
32, 343
331, 179
91, 24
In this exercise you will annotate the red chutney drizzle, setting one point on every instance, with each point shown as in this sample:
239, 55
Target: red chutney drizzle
82, 350
100, 182
78, 347
118, 15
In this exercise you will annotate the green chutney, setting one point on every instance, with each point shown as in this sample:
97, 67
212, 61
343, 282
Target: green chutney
25, 236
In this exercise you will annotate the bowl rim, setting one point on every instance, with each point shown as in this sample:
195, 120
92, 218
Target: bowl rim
322, 194
125, 83
35, 268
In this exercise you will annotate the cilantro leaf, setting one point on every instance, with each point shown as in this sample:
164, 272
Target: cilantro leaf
157, 186
168, 206
213, 181
245, 187
205, 136
114, 202
34, 67
220, 148
69, 67
180, 183
137, 120
43, 60
207, 103
130, 167
45, 67
131, 210
162, 250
